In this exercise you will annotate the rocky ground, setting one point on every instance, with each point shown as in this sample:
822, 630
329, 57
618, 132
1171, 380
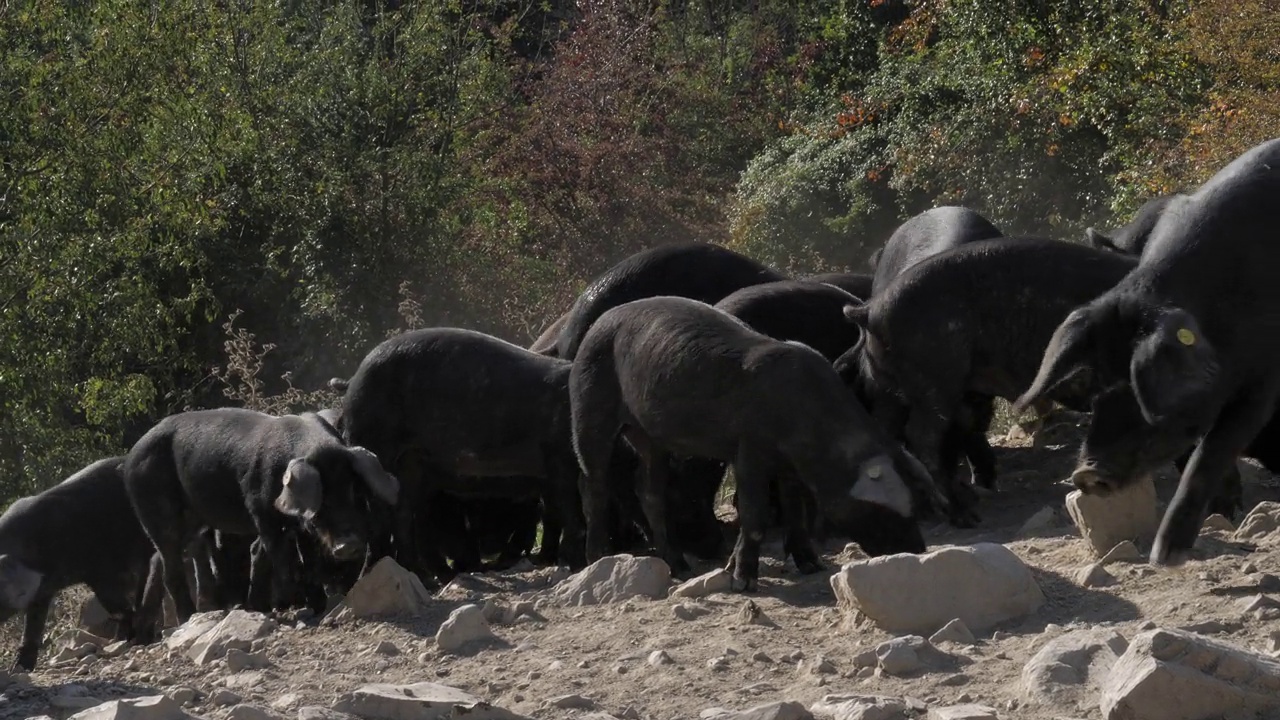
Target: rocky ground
538, 648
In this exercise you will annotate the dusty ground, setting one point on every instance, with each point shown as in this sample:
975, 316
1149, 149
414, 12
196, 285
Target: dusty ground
600, 652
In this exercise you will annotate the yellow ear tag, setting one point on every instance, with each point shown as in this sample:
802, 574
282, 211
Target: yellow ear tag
1186, 337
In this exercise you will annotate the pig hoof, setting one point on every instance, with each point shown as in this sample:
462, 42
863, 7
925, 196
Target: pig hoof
808, 567
744, 585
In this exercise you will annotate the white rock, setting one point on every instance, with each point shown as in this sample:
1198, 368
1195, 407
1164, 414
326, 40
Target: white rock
688, 611
1094, 576
906, 654
312, 712
224, 697
286, 701
570, 702
716, 581
387, 590
1070, 665
860, 707
239, 660
237, 630
963, 712
1262, 520
115, 649
95, 618
465, 625
955, 631
660, 657
250, 712
983, 584
1125, 514
1043, 522
1124, 551
787, 710
183, 695
614, 579
421, 701
1176, 675
77, 639
154, 707
193, 629
1219, 522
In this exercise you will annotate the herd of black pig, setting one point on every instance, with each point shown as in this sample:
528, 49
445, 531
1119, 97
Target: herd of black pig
843, 403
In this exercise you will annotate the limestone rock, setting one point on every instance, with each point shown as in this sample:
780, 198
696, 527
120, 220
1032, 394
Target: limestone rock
660, 657
312, 712
614, 579
716, 581
860, 707
95, 619
1125, 514
250, 712
963, 712
1042, 523
1124, 551
223, 698
1219, 522
465, 625
787, 710
955, 631
154, 707
1094, 576
982, 584
387, 590
238, 660
237, 630
420, 701
688, 611
1262, 520
193, 629
1071, 663
570, 702
907, 654
1176, 675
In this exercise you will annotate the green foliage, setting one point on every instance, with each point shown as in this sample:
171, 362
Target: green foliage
326, 172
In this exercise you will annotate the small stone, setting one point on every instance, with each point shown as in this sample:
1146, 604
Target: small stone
660, 657
963, 712
955, 680
688, 611
465, 625
570, 702
286, 701
183, 695
1124, 551
795, 656
902, 655
155, 707
615, 578
311, 712
955, 631
860, 707
1043, 522
223, 698
115, 649
716, 581
762, 657
822, 666
718, 664
1218, 522
249, 712
1094, 576
1248, 567
751, 614
386, 648
584, 664
239, 660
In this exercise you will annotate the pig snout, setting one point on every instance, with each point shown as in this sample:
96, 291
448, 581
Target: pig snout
1090, 479
349, 548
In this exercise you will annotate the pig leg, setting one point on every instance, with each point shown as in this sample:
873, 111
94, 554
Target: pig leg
563, 501
753, 472
926, 432
1230, 499
1237, 425
33, 633
798, 513
654, 478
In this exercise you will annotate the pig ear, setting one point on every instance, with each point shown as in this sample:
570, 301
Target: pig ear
921, 482
382, 483
1172, 366
301, 490
1099, 241
858, 314
1069, 350
18, 583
